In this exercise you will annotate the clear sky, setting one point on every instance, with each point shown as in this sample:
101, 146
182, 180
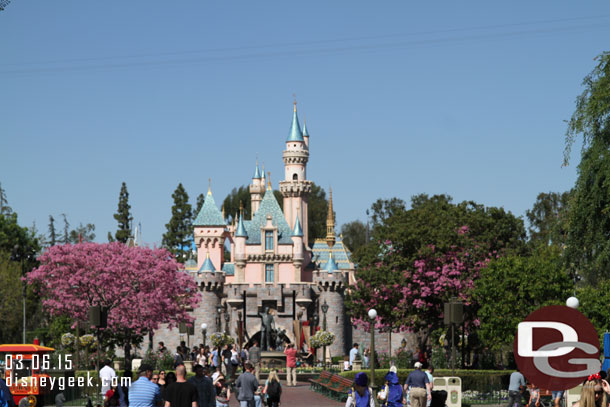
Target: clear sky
401, 97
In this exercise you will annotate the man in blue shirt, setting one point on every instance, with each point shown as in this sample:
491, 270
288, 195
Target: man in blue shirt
418, 386
143, 392
353, 354
515, 389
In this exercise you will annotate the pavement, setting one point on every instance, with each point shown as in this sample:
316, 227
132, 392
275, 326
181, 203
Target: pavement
301, 396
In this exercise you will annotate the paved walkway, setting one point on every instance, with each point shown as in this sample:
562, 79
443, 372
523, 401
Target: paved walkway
301, 396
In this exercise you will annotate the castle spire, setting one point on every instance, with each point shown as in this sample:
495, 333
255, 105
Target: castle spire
207, 266
295, 129
241, 229
269, 181
330, 222
330, 264
257, 173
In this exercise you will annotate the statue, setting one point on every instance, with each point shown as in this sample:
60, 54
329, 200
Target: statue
267, 329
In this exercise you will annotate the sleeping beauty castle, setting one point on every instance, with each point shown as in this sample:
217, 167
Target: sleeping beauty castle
271, 266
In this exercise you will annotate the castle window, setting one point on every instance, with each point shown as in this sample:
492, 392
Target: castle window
295, 177
268, 240
269, 273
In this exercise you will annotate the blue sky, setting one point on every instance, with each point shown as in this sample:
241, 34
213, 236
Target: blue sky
463, 98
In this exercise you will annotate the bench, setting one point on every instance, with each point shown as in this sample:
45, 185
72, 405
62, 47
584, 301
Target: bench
332, 385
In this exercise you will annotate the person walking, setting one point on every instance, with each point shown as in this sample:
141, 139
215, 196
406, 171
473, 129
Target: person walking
360, 395
353, 354
206, 394
273, 390
516, 387
430, 373
391, 395
419, 386
6, 398
181, 393
246, 385
291, 365
143, 392
254, 356
107, 374
223, 392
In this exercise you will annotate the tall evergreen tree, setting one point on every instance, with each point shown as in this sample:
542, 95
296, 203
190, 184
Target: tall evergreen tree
4, 208
199, 204
123, 216
177, 239
52, 233
65, 238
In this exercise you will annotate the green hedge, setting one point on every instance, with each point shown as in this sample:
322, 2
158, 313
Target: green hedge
479, 380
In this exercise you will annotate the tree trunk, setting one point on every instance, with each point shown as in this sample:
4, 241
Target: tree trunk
128, 354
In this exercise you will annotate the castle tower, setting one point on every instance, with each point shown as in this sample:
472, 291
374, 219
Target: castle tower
330, 287
295, 187
257, 190
210, 284
210, 232
240, 248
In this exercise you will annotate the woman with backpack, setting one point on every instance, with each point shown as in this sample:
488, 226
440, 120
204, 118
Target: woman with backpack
273, 389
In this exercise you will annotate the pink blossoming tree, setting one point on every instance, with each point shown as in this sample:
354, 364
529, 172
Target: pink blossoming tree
140, 287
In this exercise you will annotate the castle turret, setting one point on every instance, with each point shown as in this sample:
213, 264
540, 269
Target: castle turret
330, 287
297, 250
295, 187
210, 284
305, 134
257, 190
210, 232
330, 221
240, 248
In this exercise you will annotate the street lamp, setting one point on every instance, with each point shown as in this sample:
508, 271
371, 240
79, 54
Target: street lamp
227, 319
324, 311
372, 316
219, 312
204, 328
240, 329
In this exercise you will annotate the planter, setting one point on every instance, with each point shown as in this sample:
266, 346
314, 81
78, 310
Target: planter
188, 364
118, 364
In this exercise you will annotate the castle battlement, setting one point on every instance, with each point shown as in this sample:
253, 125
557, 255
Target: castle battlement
210, 281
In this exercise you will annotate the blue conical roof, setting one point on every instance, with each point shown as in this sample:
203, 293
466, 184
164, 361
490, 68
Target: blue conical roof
330, 264
241, 229
305, 132
297, 231
209, 215
295, 128
207, 265
257, 173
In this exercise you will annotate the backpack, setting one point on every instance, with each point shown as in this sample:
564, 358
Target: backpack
274, 390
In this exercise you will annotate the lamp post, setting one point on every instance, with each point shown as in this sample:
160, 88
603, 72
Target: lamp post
204, 328
240, 329
227, 319
372, 316
219, 312
324, 311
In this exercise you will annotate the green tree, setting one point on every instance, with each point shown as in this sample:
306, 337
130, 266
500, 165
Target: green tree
18, 249
83, 233
198, 205
383, 209
512, 287
52, 234
178, 237
547, 219
594, 301
317, 212
4, 208
232, 201
65, 237
123, 216
354, 235
10, 300
588, 247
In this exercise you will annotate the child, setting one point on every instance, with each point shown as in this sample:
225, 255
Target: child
534, 396
346, 365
